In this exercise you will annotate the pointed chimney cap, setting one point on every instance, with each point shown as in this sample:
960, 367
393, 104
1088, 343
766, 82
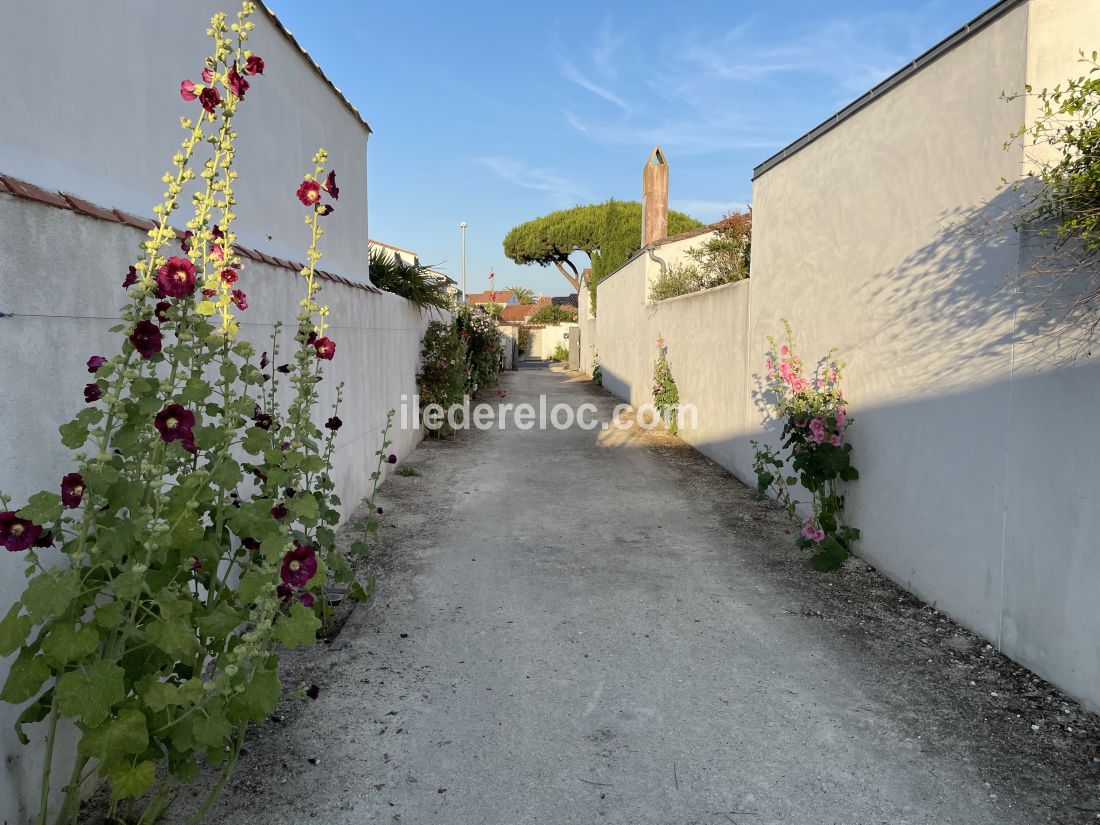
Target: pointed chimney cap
657, 157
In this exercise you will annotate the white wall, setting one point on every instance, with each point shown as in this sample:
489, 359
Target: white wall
544, 340
973, 442
96, 112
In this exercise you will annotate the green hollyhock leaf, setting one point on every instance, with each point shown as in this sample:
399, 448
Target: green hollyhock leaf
132, 780
211, 730
161, 695
27, 675
65, 643
109, 616
258, 698
75, 433
175, 637
14, 630
361, 593
299, 627
34, 712
304, 508
251, 585
114, 740
51, 594
91, 696
42, 508
360, 548
128, 585
220, 621
227, 474
256, 441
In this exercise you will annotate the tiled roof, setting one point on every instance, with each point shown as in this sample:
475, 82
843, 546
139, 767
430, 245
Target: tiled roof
567, 301
502, 297
520, 313
63, 200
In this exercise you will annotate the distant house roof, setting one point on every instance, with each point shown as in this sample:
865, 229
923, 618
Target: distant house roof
373, 242
566, 301
521, 313
294, 42
500, 296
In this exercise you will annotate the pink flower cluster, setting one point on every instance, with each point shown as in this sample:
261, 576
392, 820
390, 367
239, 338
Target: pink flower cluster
811, 531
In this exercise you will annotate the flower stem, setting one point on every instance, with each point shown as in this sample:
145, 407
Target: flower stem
215, 792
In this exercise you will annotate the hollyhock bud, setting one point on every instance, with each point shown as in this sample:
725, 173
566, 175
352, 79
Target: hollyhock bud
334, 423
325, 348
209, 98
263, 360
17, 534
306, 599
177, 277
146, 338
309, 192
131, 278
254, 64
176, 423
92, 392
209, 293
299, 566
72, 490
283, 368
196, 563
185, 241
187, 90
331, 187
240, 299
95, 362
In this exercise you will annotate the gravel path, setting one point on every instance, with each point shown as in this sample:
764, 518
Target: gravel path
586, 627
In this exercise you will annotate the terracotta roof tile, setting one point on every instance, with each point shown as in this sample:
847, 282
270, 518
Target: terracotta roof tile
89, 208
134, 220
29, 191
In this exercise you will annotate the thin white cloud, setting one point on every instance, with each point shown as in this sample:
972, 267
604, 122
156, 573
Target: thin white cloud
526, 176
574, 75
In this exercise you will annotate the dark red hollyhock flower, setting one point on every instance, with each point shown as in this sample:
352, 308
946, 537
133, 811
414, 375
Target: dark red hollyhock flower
209, 98
72, 490
285, 446
334, 423
254, 64
92, 392
237, 84
262, 420
185, 241
17, 534
263, 360
250, 543
392, 459
131, 278
279, 511
175, 423
146, 338
306, 599
331, 187
313, 692
187, 90
311, 337
45, 540
209, 293
299, 566
325, 209
309, 192
216, 232
379, 511
161, 311
284, 593
290, 492
177, 277
325, 348
283, 368
240, 299
229, 275
196, 564
95, 362
260, 474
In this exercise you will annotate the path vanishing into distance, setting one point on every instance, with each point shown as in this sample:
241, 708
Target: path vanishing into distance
598, 626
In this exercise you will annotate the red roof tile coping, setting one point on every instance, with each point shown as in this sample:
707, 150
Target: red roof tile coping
28, 191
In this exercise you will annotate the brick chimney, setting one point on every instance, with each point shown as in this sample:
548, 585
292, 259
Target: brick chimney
655, 198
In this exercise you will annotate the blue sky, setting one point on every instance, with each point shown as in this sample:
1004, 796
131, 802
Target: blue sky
495, 113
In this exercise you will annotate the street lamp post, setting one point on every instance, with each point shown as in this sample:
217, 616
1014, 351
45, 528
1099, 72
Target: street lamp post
462, 226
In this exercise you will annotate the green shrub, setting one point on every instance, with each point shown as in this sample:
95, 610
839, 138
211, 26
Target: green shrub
666, 396
413, 283
560, 353
482, 336
443, 368
552, 314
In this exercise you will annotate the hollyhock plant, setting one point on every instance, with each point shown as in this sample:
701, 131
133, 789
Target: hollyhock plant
176, 423
17, 534
334, 423
95, 363
210, 98
146, 338
299, 566
237, 84
72, 490
324, 348
229, 276
131, 278
187, 90
254, 64
240, 300
812, 411
309, 192
92, 392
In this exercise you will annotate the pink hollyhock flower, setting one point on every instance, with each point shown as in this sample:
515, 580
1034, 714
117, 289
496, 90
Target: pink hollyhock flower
72, 490
811, 531
177, 277
216, 252
176, 423
817, 431
769, 363
784, 350
209, 98
240, 299
841, 419
835, 440
92, 392
17, 534
797, 385
131, 278
309, 192
331, 187
254, 64
325, 348
299, 566
237, 84
146, 338
187, 90
95, 362
208, 75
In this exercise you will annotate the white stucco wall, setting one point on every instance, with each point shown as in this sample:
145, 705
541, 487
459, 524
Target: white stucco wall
544, 340
977, 487
97, 107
